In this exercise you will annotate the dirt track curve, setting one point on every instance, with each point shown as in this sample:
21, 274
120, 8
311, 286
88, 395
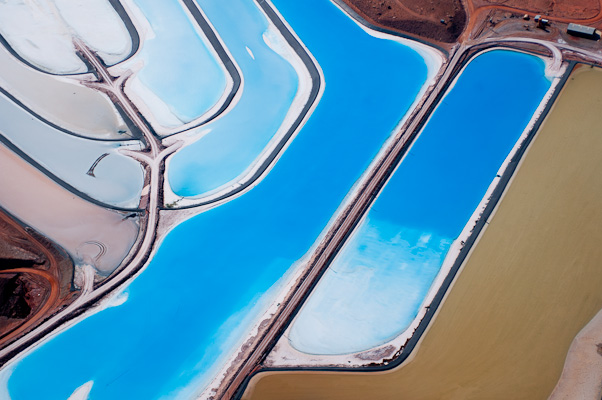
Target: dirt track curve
474, 13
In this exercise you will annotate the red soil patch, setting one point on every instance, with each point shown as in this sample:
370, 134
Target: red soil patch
574, 9
35, 279
439, 21
442, 22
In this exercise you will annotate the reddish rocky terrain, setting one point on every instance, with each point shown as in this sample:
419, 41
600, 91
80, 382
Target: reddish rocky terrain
574, 9
446, 22
438, 21
35, 279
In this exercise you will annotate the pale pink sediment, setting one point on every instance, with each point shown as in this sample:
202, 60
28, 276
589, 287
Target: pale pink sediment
90, 233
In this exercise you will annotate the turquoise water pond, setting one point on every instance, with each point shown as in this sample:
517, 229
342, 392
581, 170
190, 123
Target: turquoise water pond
179, 66
374, 288
204, 286
237, 139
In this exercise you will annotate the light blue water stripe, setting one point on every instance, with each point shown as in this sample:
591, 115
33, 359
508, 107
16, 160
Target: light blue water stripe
374, 288
191, 303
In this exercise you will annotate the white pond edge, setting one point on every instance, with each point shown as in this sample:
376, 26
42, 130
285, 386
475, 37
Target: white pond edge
285, 355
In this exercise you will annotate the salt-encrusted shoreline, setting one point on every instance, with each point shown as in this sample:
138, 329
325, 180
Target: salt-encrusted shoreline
582, 373
434, 60
305, 100
163, 121
285, 355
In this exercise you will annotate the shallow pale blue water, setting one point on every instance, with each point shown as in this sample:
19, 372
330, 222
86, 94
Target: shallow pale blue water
374, 289
117, 179
237, 139
192, 301
178, 65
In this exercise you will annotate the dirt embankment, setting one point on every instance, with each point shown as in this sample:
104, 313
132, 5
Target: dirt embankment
35, 279
437, 21
446, 22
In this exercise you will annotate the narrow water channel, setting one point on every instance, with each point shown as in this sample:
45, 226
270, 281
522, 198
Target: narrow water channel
231, 144
184, 77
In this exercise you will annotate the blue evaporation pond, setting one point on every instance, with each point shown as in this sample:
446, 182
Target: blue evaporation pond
204, 286
374, 288
236, 140
178, 64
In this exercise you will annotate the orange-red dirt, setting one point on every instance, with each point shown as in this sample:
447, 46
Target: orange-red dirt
438, 21
574, 9
446, 22
35, 279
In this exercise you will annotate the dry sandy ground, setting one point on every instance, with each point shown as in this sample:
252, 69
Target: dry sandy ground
582, 374
532, 282
574, 9
419, 18
442, 22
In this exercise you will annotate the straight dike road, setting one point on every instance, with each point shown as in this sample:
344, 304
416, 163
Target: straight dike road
368, 189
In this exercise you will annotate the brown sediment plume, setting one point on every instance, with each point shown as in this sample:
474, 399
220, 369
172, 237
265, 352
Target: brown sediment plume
35, 279
529, 286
